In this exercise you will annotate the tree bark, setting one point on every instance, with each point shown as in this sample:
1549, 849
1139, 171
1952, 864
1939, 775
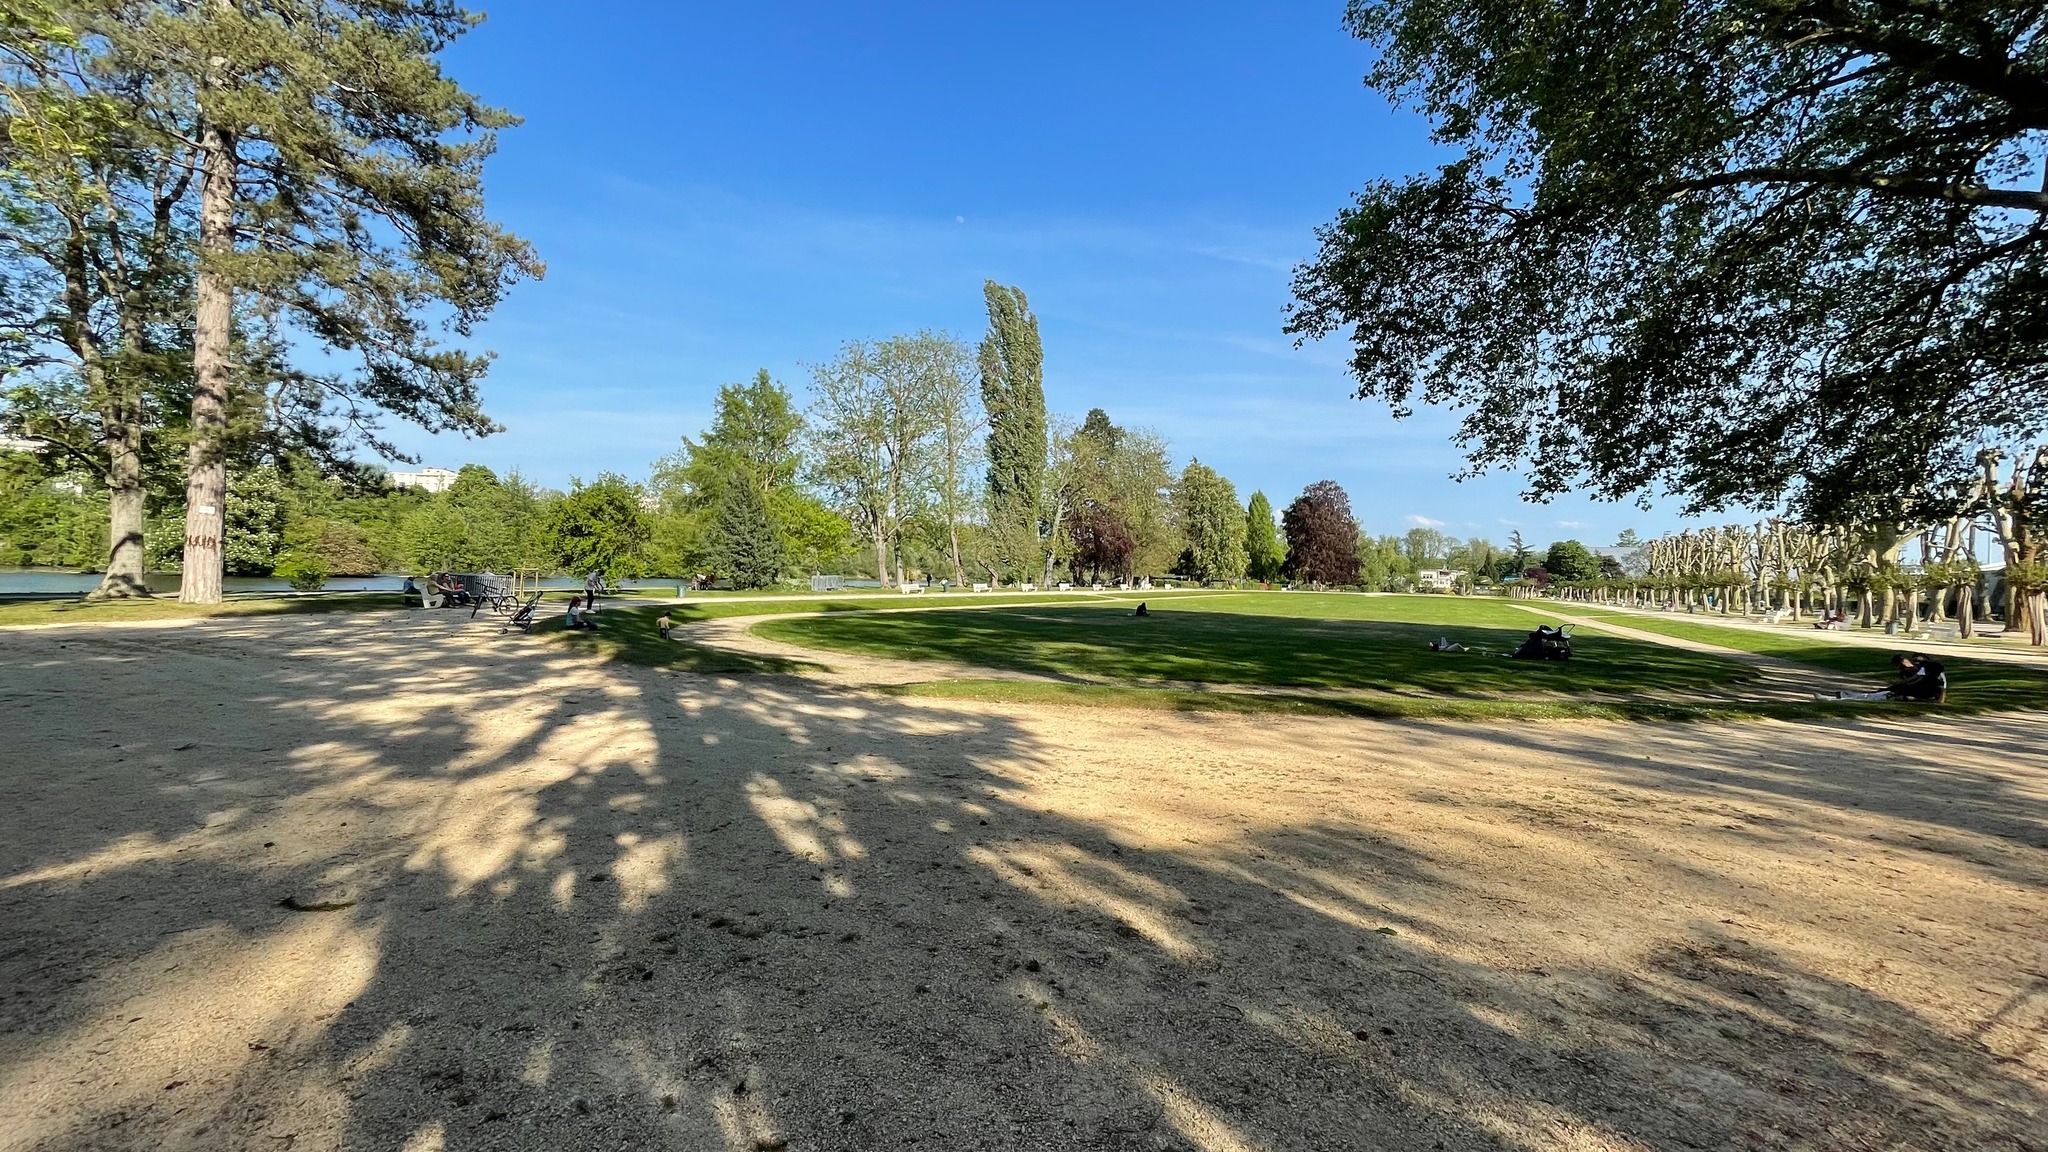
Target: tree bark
127, 561
206, 467
120, 429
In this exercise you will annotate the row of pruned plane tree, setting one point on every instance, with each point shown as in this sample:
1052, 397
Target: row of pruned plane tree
1892, 572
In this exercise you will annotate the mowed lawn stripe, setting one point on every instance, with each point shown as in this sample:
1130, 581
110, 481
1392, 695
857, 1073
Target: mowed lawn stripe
1291, 640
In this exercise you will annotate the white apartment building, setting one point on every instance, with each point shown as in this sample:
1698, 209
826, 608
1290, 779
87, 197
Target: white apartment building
426, 479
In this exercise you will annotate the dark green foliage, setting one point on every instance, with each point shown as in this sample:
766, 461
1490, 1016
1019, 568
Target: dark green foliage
1117, 524
43, 524
755, 435
1570, 560
755, 438
1322, 535
1205, 506
1013, 394
1729, 247
1265, 555
304, 571
360, 209
342, 549
743, 544
597, 527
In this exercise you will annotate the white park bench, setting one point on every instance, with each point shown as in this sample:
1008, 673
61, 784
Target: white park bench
981, 587
910, 589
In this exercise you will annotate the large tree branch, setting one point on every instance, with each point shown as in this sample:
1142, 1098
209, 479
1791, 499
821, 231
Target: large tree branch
1973, 195
2001, 79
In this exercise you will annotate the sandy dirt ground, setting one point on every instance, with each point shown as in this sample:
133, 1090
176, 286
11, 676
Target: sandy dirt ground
396, 883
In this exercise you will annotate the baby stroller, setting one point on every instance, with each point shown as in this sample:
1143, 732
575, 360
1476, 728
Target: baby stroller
1546, 643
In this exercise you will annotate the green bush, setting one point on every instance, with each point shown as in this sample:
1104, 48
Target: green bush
304, 571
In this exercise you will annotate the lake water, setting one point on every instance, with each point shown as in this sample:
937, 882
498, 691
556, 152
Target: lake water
52, 581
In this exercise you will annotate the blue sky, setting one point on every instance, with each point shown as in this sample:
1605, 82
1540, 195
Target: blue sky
718, 188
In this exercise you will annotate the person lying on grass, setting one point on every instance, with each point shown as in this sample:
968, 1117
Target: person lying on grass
1922, 679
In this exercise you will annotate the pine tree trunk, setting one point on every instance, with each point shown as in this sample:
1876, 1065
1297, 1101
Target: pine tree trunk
206, 468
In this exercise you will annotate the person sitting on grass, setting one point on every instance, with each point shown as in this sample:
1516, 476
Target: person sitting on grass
664, 625
1141, 610
578, 617
1922, 680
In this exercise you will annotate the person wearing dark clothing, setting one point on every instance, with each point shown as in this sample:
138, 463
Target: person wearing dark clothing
1141, 610
1922, 680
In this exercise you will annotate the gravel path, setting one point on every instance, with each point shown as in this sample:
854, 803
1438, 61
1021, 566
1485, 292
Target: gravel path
314, 884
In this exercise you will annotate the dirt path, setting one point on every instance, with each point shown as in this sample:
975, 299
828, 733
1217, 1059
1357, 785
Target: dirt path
569, 905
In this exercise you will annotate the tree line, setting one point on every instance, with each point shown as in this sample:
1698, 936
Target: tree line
917, 457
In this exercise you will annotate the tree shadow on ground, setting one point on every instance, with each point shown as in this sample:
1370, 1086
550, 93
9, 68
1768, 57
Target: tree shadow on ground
603, 908
1188, 645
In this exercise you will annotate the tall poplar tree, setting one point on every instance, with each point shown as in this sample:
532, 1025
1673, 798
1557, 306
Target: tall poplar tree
1013, 394
339, 205
1265, 554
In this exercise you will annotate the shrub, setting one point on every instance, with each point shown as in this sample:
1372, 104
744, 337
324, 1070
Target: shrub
304, 571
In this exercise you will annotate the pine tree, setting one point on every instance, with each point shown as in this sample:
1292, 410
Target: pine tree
1013, 394
1265, 555
743, 544
339, 201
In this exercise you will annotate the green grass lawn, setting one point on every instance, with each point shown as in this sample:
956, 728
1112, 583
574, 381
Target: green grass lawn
1279, 639
628, 632
1977, 685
